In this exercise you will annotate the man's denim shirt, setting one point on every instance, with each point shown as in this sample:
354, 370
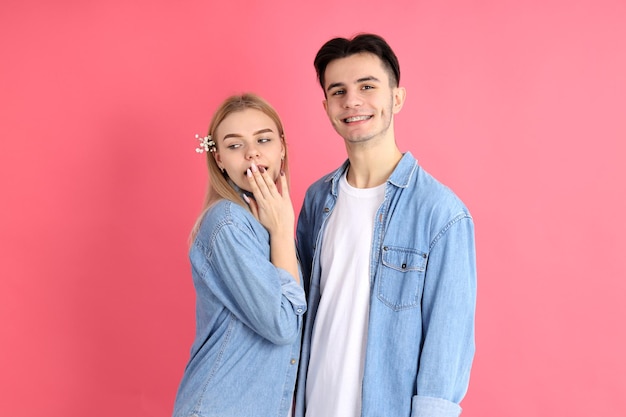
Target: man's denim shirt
244, 358
420, 343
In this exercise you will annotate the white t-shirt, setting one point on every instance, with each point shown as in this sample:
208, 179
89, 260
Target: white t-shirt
335, 374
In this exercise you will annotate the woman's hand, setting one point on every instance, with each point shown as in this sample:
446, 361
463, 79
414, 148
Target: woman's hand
273, 209
272, 205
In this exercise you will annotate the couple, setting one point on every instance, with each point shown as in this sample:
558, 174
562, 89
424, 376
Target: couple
384, 252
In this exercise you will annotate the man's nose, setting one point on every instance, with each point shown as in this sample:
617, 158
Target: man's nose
352, 99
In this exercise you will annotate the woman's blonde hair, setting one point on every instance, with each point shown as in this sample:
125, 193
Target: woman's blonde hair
219, 186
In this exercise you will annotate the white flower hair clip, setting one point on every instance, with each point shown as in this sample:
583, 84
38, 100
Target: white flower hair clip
206, 144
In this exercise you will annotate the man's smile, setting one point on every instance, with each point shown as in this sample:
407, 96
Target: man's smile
356, 118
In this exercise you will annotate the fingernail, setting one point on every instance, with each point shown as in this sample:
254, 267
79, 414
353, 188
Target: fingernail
254, 167
245, 197
248, 172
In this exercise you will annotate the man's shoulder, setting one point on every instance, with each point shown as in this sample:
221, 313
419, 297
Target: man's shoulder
324, 183
435, 194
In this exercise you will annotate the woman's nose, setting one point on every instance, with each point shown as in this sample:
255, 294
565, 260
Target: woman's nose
252, 152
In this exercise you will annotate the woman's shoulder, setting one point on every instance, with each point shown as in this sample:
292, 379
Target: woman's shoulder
225, 207
226, 213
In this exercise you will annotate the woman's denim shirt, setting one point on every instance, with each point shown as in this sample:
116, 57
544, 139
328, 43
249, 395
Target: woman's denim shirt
420, 343
249, 313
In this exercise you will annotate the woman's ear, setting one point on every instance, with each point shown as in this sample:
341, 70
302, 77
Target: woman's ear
218, 160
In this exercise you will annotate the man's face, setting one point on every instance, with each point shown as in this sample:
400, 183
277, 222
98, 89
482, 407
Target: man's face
360, 103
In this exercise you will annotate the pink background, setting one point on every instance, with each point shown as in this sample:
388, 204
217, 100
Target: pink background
519, 106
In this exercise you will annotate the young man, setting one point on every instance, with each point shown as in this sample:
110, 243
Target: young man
388, 259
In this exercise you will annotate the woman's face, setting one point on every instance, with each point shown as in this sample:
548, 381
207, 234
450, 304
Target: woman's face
244, 137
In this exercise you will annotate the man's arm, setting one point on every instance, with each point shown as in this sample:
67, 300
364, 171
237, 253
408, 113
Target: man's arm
448, 311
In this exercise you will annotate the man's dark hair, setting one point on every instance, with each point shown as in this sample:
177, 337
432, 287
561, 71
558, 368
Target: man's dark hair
366, 42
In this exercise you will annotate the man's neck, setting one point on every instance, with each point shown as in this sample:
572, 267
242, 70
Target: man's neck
372, 166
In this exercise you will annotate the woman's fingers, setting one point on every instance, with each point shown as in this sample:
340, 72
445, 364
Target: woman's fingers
261, 183
253, 206
271, 204
257, 182
283, 187
254, 180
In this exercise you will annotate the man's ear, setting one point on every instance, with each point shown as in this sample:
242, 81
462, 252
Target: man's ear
399, 95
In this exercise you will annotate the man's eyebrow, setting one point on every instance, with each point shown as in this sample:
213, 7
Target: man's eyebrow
334, 85
368, 78
360, 80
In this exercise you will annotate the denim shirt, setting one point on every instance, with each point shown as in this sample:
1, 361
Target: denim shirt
420, 343
249, 313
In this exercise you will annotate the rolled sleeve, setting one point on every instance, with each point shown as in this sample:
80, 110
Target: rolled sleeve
293, 292
433, 407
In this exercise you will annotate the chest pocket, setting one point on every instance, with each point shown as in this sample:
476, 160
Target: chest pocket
401, 280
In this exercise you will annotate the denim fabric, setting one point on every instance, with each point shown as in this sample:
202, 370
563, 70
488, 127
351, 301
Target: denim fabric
248, 322
420, 343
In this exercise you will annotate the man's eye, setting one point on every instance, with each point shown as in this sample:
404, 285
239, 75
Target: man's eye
368, 87
338, 92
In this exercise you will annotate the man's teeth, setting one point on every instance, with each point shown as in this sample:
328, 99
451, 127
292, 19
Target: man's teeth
356, 118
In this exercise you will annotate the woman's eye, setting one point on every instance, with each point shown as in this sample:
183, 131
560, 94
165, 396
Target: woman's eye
234, 146
264, 140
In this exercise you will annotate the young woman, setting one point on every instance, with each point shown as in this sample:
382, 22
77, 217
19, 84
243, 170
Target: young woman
249, 301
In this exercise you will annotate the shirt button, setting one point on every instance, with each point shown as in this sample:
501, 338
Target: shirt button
299, 310
293, 361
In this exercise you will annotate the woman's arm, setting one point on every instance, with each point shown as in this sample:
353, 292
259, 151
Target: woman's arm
231, 256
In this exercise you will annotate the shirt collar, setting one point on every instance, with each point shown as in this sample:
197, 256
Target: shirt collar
400, 177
